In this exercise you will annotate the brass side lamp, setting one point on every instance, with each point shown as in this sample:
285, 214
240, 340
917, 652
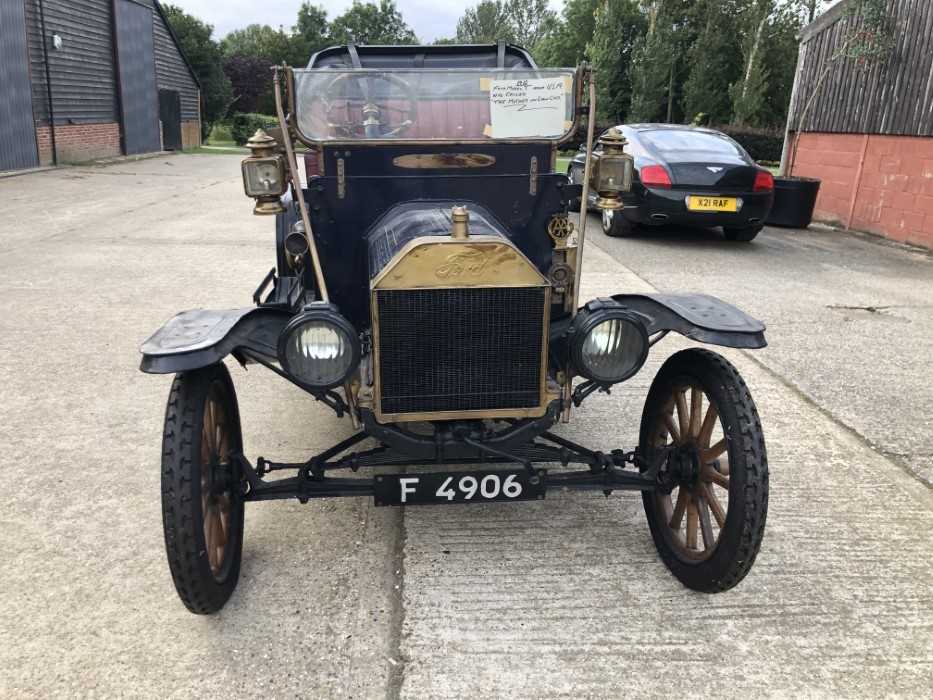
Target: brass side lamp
264, 174
612, 171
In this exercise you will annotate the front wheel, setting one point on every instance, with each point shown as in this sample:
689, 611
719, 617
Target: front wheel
202, 503
615, 224
708, 515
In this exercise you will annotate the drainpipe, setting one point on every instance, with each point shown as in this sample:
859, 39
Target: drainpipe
48, 82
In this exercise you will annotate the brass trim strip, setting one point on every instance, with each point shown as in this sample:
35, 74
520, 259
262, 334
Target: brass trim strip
341, 178
581, 238
296, 180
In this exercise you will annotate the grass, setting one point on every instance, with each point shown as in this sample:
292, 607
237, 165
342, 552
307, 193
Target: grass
220, 134
231, 149
563, 163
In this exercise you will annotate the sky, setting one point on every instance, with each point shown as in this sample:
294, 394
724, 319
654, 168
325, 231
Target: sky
430, 19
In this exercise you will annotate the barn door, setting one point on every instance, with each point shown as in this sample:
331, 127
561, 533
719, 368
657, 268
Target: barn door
170, 116
17, 126
139, 97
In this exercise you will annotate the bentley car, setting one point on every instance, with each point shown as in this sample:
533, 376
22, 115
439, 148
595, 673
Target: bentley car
426, 289
687, 175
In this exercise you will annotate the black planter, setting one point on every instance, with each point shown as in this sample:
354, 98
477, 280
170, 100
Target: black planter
794, 199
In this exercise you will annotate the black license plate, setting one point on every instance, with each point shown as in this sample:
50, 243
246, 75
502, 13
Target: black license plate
459, 487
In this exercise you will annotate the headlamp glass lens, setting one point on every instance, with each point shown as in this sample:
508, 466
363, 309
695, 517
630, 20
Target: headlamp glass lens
318, 353
614, 174
263, 177
612, 349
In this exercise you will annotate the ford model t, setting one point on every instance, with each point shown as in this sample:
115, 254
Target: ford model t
426, 289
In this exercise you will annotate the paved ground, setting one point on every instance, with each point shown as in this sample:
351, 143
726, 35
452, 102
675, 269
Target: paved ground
564, 598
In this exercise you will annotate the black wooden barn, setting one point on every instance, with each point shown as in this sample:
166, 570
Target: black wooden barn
86, 79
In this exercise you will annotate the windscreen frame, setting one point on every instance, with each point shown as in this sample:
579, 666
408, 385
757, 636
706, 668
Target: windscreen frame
576, 93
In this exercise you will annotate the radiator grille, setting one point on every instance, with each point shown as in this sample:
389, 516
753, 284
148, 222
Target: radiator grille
467, 349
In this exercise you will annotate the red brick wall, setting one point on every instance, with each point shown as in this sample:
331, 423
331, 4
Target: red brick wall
79, 142
879, 184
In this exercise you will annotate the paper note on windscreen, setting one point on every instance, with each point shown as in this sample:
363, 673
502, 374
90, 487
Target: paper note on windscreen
528, 108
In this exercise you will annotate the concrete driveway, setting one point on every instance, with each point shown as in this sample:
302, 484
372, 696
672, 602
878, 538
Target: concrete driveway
562, 598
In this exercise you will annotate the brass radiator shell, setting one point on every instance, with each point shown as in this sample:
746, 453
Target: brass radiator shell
474, 264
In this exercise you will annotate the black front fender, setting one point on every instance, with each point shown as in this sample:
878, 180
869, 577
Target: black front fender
699, 317
199, 338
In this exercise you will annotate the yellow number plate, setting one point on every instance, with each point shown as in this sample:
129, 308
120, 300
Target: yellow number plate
695, 203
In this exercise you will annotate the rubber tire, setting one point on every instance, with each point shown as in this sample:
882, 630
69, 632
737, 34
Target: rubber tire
740, 538
743, 235
182, 520
619, 226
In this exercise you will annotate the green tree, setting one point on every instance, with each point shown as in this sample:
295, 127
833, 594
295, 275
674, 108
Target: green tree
531, 21
198, 45
249, 55
261, 41
486, 23
714, 62
781, 48
372, 23
618, 28
251, 77
748, 92
567, 42
311, 33
522, 22
657, 62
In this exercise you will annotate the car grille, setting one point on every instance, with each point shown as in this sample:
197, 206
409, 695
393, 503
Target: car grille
469, 349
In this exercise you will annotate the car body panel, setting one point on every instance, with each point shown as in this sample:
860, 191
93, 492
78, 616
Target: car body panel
699, 317
715, 172
202, 337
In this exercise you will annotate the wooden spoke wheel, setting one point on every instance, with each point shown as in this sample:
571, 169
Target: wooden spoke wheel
216, 485
708, 514
202, 489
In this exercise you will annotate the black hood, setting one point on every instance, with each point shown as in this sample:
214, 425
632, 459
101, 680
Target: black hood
409, 220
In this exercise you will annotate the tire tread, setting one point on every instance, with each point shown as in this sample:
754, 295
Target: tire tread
180, 516
756, 469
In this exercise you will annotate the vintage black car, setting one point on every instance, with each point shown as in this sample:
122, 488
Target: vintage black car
689, 176
426, 288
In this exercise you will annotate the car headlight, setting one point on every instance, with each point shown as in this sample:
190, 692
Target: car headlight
609, 345
319, 348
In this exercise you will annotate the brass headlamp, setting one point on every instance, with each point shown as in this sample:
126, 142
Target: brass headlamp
264, 174
612, 171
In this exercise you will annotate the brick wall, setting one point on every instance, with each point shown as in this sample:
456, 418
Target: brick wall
79, 142
879, 184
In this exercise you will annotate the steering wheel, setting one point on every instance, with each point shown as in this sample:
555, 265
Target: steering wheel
349, 88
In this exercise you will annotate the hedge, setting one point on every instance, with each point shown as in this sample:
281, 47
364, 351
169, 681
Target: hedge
761, 144
244, 125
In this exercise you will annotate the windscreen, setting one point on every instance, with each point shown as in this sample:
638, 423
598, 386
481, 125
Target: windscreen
681, 142
434, 105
